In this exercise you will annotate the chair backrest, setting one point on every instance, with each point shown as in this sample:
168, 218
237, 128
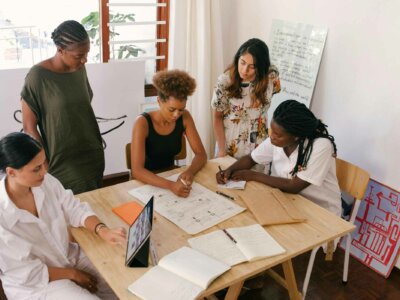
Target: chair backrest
352, 179
179, 156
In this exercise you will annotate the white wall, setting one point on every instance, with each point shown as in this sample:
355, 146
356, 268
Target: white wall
357, 89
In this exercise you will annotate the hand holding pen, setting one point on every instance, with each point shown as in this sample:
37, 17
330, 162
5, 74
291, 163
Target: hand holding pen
223, 176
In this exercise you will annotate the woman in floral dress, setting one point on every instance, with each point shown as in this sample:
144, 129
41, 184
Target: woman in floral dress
241, 100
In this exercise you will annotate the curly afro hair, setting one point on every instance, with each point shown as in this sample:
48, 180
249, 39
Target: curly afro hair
174, 83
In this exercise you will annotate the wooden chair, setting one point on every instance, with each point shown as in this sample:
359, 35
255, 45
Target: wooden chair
181, 155
354, 181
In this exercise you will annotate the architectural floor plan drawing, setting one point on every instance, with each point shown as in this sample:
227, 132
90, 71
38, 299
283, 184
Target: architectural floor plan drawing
376, 241
200, 211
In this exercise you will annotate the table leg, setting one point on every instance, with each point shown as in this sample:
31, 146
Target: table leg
329, 250
234, 291
291, 280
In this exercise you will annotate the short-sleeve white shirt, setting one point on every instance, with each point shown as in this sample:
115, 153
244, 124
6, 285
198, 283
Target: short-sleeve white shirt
28, 245
320, 171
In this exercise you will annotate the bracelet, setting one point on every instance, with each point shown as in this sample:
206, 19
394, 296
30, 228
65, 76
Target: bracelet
98, 227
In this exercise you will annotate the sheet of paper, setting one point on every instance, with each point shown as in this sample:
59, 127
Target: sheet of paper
194, 266
255, 242
158, 283
200, 211
236, 185
217, 245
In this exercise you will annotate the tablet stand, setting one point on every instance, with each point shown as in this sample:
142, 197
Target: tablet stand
141, 259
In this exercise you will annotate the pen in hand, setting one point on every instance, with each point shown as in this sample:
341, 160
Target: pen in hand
184, 182
220, 170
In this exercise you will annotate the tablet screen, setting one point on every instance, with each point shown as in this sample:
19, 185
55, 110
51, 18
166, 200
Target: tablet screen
139, 231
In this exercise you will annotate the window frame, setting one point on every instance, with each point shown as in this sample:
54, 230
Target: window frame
161, 33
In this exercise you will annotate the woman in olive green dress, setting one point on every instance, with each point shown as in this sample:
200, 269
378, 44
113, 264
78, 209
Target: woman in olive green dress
56, 109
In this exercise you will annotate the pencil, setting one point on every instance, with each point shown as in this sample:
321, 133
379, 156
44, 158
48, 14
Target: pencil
225, 195
220, 170
229, 236
184, 182
153, 252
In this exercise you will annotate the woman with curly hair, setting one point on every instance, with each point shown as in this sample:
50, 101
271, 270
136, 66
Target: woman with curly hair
157, 135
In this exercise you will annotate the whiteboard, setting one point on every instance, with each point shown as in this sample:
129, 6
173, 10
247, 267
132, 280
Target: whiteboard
296, 49
118, 89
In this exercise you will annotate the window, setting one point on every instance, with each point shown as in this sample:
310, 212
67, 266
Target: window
25, 37
136, 30
125, 29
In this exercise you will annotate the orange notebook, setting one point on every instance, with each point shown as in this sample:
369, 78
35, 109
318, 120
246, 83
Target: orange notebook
128, 212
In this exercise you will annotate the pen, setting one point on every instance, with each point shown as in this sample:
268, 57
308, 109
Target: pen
184, 182
229, 236
154, 256
225, 195
220, 170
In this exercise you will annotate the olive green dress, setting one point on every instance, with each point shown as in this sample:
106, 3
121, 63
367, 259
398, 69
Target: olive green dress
68, 126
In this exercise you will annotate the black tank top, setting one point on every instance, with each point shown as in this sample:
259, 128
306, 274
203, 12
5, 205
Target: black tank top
161, 149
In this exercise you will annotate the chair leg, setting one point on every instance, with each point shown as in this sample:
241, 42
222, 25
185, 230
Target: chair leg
309, 270
346, 258
348, 241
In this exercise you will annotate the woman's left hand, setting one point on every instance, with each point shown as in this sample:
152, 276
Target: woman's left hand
115, 236
246, 175
186, 178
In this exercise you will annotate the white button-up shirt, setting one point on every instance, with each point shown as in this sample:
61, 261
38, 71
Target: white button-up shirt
28, 245
320, 171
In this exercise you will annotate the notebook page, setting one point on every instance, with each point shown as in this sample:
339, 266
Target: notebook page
217, 245
231, 184
194, 266
255, 242
158, 283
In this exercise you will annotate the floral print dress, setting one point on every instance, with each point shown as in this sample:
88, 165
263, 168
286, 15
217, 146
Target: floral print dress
245, 123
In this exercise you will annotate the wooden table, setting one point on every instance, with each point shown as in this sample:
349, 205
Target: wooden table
321, 226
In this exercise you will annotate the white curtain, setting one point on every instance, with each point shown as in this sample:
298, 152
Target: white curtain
195, 46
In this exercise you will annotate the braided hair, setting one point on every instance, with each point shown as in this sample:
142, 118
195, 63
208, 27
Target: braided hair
68, 33
296, 119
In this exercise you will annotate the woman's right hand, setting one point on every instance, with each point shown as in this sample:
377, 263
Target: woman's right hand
85, 280
180, 189
223, 176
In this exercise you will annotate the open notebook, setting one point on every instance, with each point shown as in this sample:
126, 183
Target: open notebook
180, 275
238, 244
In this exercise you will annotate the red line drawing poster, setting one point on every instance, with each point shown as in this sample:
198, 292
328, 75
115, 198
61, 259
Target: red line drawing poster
376, 240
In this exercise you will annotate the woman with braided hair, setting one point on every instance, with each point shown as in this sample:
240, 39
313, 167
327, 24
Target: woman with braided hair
56, 97
302, 153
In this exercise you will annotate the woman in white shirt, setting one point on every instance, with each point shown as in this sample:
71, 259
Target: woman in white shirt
37, 259
302, 153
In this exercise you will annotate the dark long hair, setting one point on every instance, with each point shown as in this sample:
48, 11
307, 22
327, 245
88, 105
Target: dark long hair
259, 50
17, 149
295, 118
68, 33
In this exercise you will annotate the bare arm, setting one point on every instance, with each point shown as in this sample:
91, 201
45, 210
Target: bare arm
81, 278
138, 148
200, 156
240, 170
219, 132
294, 185
113, 236
244, 163
29, 121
